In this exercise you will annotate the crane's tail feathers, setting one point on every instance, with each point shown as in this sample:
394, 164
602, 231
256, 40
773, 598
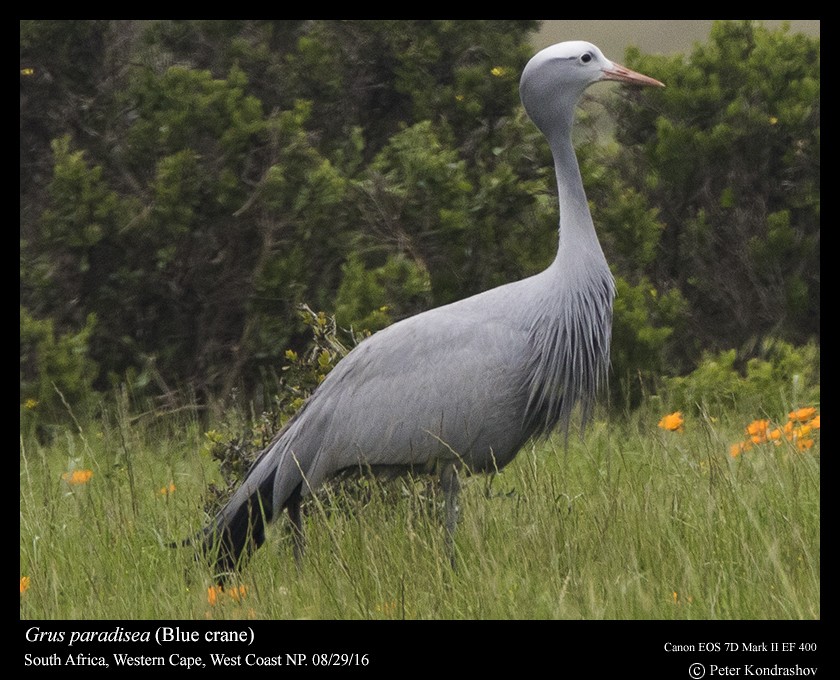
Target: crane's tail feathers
239, 528
233, 536
270, 486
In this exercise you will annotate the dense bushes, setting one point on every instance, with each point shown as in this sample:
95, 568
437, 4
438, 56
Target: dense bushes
781, 378
53, 369
731, 151
187, 184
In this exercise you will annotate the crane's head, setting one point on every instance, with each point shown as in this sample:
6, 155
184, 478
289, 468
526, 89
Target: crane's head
555, 78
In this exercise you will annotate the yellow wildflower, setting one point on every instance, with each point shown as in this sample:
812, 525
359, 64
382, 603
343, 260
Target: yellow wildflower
30, 404
673, 422
77, 476
24, 584
498, 71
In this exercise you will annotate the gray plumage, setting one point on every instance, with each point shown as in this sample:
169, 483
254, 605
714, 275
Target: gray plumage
462, 387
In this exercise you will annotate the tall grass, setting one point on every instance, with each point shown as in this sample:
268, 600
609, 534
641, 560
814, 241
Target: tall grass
629, 522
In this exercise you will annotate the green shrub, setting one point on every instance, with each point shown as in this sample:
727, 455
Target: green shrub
53, 368
643, 322
780, 378
370, 299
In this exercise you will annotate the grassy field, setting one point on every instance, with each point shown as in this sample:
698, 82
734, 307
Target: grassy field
630, 522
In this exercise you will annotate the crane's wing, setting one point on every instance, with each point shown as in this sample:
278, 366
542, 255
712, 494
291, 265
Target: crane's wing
436, 386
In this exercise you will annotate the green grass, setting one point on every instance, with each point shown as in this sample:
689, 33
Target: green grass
630, 522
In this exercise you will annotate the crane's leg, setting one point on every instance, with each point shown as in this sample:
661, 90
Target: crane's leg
451, 486
293, 506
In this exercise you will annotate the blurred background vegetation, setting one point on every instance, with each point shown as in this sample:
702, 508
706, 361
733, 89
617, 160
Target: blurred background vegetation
186, 185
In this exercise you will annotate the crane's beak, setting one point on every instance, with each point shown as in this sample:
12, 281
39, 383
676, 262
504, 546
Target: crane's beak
625, 75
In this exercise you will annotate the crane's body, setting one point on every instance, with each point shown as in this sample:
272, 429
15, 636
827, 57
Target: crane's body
465, 385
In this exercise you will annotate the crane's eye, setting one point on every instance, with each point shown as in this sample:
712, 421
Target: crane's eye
585, 58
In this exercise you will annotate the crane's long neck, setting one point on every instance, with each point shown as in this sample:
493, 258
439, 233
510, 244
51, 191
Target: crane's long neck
577, 232
570, 333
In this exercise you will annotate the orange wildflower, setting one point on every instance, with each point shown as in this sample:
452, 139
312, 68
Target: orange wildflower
24, 584
802, 415
678, 600
758, 430
236, 593
737, 449
77, 476
673, 422
387, 608
799, 430
166, 490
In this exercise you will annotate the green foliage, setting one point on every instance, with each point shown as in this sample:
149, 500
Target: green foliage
68, 76
83, 207
301, 208
56, 372
629, 229
781, 378
189, 109
512, 226
69, 270
643, 322
226, 204
732, 163
416, 200
385, 75
306, 370
370, 299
